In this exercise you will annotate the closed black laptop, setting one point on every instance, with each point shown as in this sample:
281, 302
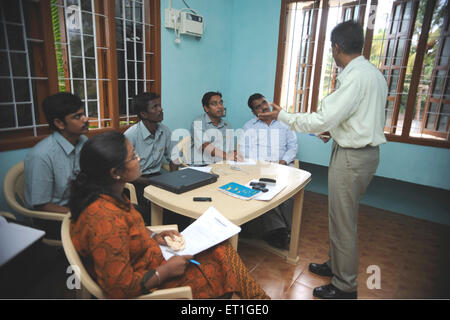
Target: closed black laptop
182, 180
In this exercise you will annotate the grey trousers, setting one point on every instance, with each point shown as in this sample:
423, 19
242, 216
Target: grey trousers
349, 173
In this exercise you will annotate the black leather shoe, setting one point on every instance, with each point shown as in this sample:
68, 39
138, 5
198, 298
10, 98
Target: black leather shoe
331, 292
320, 269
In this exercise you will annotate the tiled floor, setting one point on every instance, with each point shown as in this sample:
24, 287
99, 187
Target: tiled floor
413, 256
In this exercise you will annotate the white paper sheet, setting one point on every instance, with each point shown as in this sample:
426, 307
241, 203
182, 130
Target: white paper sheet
208, 230
247, 162
273, 191
202, 169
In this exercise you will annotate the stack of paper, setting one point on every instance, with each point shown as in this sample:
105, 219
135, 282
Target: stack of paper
208, 230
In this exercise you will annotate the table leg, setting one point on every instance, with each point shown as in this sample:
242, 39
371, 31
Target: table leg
295, 230
156, 215
234, 241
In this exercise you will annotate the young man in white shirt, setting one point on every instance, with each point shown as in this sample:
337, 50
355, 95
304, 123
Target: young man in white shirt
354, 117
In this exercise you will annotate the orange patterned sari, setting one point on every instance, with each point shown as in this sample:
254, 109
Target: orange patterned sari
117, 250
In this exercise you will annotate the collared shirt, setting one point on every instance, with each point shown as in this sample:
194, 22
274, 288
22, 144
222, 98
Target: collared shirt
354, 113
151, 149
270, 143
203, 130
49, 167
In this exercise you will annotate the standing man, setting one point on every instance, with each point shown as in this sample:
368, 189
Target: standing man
151, 141
213, 137
54, 162
353, 116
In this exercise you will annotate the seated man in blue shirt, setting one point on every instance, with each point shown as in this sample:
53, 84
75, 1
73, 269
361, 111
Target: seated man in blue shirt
269, 141
151, 141
212, 136
54, 161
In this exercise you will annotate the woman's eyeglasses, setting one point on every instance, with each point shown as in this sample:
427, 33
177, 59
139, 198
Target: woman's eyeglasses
134, 157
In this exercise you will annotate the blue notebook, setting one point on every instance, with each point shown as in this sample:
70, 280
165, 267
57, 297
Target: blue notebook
239, 191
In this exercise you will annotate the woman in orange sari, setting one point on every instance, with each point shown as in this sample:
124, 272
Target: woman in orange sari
120, 252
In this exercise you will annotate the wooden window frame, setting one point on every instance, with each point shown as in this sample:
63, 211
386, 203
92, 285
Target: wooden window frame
107, 64
415, 78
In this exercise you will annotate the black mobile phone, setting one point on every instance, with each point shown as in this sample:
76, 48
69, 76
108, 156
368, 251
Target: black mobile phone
202, 199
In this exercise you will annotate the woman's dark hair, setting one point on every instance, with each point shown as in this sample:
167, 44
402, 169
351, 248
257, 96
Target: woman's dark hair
349, 36
59, 105
98, 156
207, 96
140, 102
252, 98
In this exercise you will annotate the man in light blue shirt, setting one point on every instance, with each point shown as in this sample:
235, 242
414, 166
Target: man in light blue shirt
212, 137
151, 141
269, 141
52, 163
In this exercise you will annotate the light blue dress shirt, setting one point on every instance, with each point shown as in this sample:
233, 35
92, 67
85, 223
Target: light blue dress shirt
354, 113
203, 130
151, 149
270, 143
49, 167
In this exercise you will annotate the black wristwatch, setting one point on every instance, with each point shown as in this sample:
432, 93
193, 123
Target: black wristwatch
150, 273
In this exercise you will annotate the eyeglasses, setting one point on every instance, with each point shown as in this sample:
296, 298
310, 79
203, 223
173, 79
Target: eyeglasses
134, 157
261, 105
216, 103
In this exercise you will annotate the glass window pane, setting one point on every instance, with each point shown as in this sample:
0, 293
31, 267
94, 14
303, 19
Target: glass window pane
138, 12
129, 9
140, 71
87, 23
15, 37
78, 88
77, 68
7, 116
139, 32
12, 11
86, 5
19, 64
442, 124
118, 9
119, 34
92, 109
120, 64
140, 87
445, 52
2, 37
439, 81
90, 68
139, 52
89, 46
122, 97
5, 93
4, 65
21, 90
431, 116
91, 86
131, 89
130, 50
24, 115
75, 44
130, 66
